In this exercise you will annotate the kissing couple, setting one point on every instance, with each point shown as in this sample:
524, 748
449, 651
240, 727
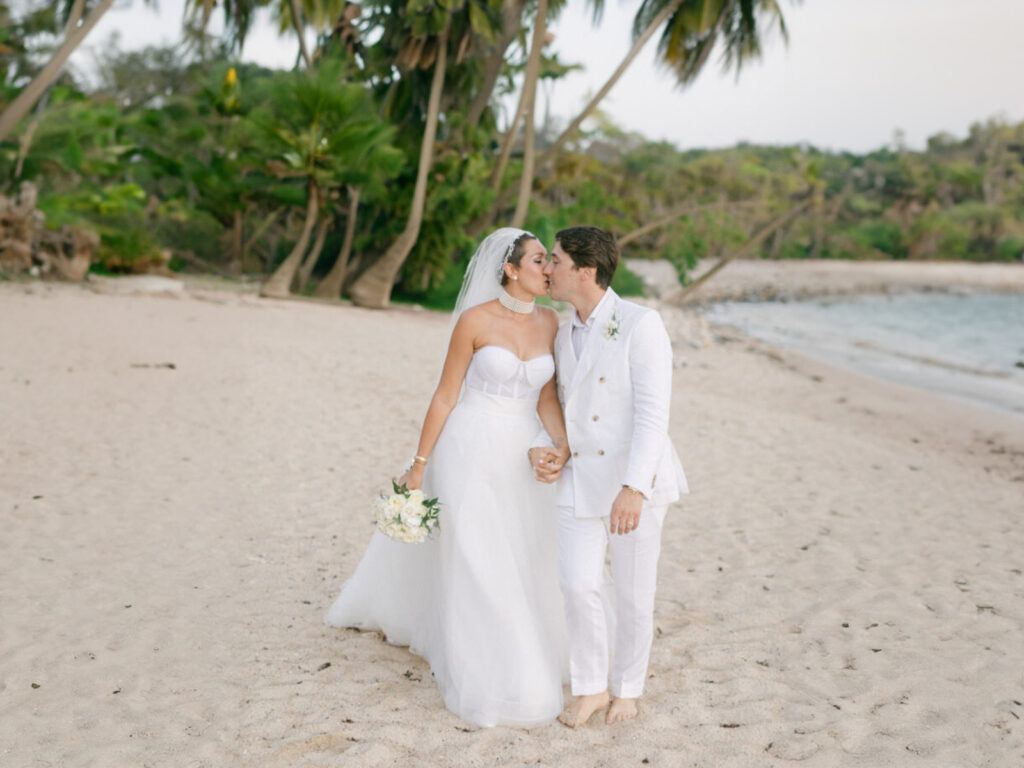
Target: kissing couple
548, 448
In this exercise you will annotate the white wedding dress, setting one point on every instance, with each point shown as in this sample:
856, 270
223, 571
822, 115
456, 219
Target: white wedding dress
480, 601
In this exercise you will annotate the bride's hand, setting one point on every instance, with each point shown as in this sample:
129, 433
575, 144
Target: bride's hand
563, 454
413, 478
546, 463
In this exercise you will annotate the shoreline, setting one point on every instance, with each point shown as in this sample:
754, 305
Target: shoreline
944, 371
842, 584
917, 385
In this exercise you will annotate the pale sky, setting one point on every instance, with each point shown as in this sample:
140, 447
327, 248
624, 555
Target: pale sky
853, 73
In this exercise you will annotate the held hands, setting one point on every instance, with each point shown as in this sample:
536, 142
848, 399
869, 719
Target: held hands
547, 463
626, 511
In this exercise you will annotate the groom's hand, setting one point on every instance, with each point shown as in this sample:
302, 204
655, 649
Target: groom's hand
547, 464
626, 511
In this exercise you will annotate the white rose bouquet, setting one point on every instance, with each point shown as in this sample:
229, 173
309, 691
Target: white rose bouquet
405, 515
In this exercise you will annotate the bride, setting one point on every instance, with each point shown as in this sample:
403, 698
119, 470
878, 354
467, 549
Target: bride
480, 601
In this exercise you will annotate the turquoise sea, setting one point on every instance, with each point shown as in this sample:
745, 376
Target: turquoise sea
966, 346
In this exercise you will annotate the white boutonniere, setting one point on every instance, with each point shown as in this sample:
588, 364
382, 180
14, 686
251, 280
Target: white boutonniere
612, 329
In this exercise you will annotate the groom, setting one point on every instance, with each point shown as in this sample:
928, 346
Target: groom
614, 363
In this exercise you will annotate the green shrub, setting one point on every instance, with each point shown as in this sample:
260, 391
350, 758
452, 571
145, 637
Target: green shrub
180, 229
1010, 248
939, 235
881, 235
127, 243
627, 283
118, 214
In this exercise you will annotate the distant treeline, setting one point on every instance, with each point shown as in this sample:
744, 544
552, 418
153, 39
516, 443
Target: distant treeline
230, 168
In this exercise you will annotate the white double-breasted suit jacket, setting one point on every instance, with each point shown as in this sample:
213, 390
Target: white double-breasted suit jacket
616, 399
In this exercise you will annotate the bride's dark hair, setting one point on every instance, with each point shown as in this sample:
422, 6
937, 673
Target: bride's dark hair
518, 248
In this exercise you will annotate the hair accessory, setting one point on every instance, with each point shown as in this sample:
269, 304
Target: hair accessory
508, 251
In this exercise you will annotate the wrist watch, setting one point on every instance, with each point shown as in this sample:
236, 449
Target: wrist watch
634, 490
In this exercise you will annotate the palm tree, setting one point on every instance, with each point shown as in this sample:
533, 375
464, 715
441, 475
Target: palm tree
306, 268
299, 25
279, 285
522, 106
511, 24
530, 98
373, 287
365, 173
330, 286
690, 31
75, 31
289, 14
317, 127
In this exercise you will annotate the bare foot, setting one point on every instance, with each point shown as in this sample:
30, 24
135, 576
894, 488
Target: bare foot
620, 710
579, 711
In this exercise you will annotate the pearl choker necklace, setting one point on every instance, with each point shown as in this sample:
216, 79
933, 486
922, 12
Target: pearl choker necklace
510, 302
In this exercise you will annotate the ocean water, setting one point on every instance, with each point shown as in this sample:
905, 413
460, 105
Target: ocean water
964, 346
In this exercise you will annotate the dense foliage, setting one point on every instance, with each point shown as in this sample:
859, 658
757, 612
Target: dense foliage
188, 158
958, 199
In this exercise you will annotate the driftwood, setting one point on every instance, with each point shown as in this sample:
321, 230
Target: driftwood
18, 224
26, 245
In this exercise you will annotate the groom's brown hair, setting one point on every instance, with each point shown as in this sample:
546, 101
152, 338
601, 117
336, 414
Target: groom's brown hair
591, 247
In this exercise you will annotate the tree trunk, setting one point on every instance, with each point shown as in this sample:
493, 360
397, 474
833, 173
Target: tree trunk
314, 253
826, 218
330, 286
279, 284
373, 287
526, 177
530, 94
777, 242
22, 104
300, 29
26, 138
254, 238
512, 11
818, 233
747, 247
74, 16
641, 41
237, 243
501, 196
524, 105
506, 147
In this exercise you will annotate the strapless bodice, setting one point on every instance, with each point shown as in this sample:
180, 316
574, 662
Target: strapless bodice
496, 370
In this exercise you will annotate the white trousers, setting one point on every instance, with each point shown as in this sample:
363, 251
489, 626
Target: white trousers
582, 545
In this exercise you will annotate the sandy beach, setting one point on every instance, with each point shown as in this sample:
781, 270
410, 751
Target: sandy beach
185, 482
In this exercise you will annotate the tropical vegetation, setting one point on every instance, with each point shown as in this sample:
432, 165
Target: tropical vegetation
373, 167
